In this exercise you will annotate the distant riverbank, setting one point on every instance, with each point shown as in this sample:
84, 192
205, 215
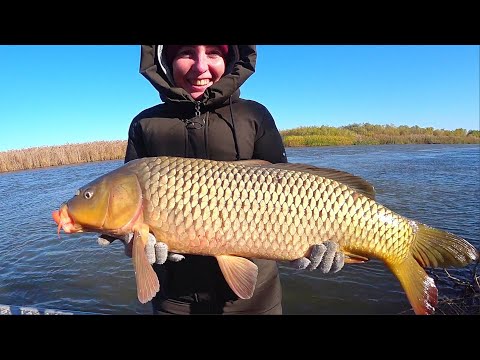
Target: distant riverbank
355, 134
368, 134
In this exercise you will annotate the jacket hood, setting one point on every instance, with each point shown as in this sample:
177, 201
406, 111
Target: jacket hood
240, 65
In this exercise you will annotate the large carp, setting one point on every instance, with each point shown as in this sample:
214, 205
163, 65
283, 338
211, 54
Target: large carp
254, 209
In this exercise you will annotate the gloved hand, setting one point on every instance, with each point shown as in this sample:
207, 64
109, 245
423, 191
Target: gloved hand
325, 257
157, 252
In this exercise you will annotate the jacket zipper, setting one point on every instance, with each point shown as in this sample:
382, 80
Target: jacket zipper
197, 122
197, 108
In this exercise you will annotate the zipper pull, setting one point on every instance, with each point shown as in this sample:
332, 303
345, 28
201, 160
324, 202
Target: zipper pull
197, 108
197, 122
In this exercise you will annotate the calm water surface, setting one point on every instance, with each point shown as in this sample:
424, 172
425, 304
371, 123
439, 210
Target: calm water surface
435, 184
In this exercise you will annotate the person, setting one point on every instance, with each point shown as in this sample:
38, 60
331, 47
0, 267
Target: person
203, 116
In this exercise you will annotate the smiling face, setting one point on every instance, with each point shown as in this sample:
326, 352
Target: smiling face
196, 67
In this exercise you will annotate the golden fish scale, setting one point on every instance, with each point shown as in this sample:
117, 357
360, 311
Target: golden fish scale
210, 207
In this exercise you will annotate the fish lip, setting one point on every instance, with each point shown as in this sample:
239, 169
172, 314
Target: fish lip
65, 221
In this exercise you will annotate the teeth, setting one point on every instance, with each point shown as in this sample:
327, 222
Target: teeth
201, 82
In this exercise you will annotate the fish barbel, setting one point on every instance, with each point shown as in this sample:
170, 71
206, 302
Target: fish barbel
254, 209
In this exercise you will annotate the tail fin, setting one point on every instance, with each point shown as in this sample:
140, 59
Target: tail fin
431, 248
437, 248
419, 287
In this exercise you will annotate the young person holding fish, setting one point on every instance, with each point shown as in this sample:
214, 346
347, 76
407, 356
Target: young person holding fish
203, 116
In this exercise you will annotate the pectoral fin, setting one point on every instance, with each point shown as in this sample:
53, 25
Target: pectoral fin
240, 274
146, 278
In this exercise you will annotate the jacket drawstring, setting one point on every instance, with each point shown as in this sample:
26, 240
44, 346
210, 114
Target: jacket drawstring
206, 135
186, 140
235, 140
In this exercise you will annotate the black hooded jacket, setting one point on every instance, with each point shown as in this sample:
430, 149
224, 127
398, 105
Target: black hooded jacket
219, 126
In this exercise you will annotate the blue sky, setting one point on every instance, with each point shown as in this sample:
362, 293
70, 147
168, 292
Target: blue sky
54, 95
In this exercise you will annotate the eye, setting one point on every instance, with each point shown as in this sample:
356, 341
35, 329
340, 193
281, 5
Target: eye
88, 194
213, 52
185, 52
215, 56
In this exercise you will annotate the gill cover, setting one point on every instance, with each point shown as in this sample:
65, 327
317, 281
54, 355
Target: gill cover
108, 203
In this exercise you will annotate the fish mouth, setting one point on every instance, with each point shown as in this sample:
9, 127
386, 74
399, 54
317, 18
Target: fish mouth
65, 221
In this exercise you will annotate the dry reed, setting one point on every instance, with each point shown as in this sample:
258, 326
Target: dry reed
39, 157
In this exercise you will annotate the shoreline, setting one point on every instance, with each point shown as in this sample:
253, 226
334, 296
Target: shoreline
312, 136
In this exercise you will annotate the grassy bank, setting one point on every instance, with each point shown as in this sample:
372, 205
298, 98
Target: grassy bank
368, 134
355, 134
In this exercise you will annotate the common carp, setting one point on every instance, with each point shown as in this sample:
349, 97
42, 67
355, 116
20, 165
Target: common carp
254, 209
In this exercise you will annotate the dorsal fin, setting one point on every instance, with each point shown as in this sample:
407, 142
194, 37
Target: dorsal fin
355, 182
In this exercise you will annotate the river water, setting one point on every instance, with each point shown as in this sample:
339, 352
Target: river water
435, 184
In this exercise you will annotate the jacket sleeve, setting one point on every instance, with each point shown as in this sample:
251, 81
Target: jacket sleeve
268, 142
135, 145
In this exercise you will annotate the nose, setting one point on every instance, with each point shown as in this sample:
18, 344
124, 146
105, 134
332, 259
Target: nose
201, 63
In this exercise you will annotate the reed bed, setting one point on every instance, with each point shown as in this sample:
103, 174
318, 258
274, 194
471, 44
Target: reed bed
39, 157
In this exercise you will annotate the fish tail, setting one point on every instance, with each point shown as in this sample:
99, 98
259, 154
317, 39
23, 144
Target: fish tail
437, 248
430, 248
419, 287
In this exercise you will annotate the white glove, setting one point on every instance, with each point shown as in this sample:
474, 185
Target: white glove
324, 257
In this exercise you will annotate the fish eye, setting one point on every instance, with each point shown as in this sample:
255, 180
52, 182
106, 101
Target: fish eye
88, 194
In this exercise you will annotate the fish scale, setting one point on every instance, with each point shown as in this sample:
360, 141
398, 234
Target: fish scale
255, 196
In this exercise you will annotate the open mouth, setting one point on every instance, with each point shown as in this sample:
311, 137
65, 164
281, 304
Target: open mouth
200, 82
63, 220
